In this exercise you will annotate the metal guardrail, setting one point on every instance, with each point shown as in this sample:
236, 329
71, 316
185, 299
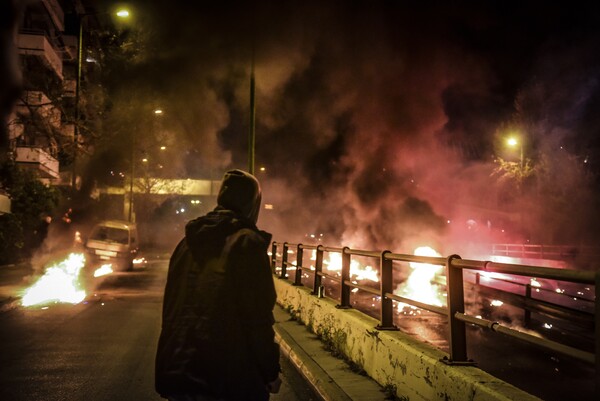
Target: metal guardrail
455, 308
535, 251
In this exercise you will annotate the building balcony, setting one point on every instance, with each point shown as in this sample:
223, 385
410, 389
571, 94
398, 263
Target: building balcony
41, 105
33, 99
34, 43
71, 47
37, 159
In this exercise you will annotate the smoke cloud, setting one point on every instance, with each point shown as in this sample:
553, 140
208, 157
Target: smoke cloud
378, 123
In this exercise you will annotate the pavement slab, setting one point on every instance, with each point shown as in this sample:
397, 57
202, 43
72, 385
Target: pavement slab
331, 377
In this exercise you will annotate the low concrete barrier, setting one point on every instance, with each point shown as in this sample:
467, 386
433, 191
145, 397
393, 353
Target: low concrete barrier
392, 358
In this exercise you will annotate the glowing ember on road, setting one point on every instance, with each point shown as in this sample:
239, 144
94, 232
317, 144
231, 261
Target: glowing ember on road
420, 284
535, 283
60, 283
103, 270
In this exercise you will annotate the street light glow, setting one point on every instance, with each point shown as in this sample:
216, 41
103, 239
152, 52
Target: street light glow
123, 13
512, 141
158, 111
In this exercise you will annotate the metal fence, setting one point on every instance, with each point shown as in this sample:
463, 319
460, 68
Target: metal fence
455, 308
556, 252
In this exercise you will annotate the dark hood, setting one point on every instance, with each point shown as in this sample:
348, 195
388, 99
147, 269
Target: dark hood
240, 192
206, 235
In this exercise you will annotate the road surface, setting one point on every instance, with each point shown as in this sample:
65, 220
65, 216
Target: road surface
100, 349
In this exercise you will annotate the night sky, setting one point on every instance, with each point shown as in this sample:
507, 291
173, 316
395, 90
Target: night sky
378, 122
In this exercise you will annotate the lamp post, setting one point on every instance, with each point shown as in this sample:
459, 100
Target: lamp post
131, 174
251, 133
77, 108
512, 142
158, 112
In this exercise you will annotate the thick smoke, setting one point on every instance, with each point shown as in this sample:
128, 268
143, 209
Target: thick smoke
378, 122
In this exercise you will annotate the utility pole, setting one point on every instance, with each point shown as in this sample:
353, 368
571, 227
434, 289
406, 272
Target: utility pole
252, 134
131, 174
77, 106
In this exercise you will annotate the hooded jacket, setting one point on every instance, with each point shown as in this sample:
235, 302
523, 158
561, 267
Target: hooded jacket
217, 338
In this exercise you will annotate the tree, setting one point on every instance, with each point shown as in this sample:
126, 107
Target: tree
517, 172
21, 231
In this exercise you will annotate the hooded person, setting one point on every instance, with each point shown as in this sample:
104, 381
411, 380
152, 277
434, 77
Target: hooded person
217, 338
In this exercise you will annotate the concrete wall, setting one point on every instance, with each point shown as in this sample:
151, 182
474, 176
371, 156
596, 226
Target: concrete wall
391, 357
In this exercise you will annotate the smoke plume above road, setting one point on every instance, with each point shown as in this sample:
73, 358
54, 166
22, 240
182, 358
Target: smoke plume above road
378, 122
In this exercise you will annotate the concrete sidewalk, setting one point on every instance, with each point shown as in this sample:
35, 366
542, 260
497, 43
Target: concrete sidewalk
331, 377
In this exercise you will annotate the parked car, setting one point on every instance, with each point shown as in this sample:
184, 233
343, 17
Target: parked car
112, 241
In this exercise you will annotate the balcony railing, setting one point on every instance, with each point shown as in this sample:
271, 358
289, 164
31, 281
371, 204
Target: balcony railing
39, 160
35, 43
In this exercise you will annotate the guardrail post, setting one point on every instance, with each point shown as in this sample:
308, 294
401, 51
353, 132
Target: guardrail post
273, 256
527, 316
456, 303
318, 270
298, 275
284, 260
344, 288
386, 285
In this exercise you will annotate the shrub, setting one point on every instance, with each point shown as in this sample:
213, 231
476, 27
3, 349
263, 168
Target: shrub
11, 239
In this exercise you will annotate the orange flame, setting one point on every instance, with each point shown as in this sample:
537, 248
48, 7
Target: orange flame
357, 272
59, 284
103, 270
420, 286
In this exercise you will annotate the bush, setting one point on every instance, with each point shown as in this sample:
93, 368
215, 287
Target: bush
11, 239
31, 201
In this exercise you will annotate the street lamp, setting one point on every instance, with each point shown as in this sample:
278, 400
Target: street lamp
122, 14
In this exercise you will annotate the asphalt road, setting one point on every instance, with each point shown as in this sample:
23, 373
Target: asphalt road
100, 349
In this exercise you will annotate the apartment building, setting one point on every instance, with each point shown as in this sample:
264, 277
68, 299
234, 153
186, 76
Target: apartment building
42, 128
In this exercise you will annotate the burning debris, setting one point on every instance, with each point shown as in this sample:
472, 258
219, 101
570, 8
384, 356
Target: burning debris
357, 272
103, 270
59, 284
420, 285
63, 282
